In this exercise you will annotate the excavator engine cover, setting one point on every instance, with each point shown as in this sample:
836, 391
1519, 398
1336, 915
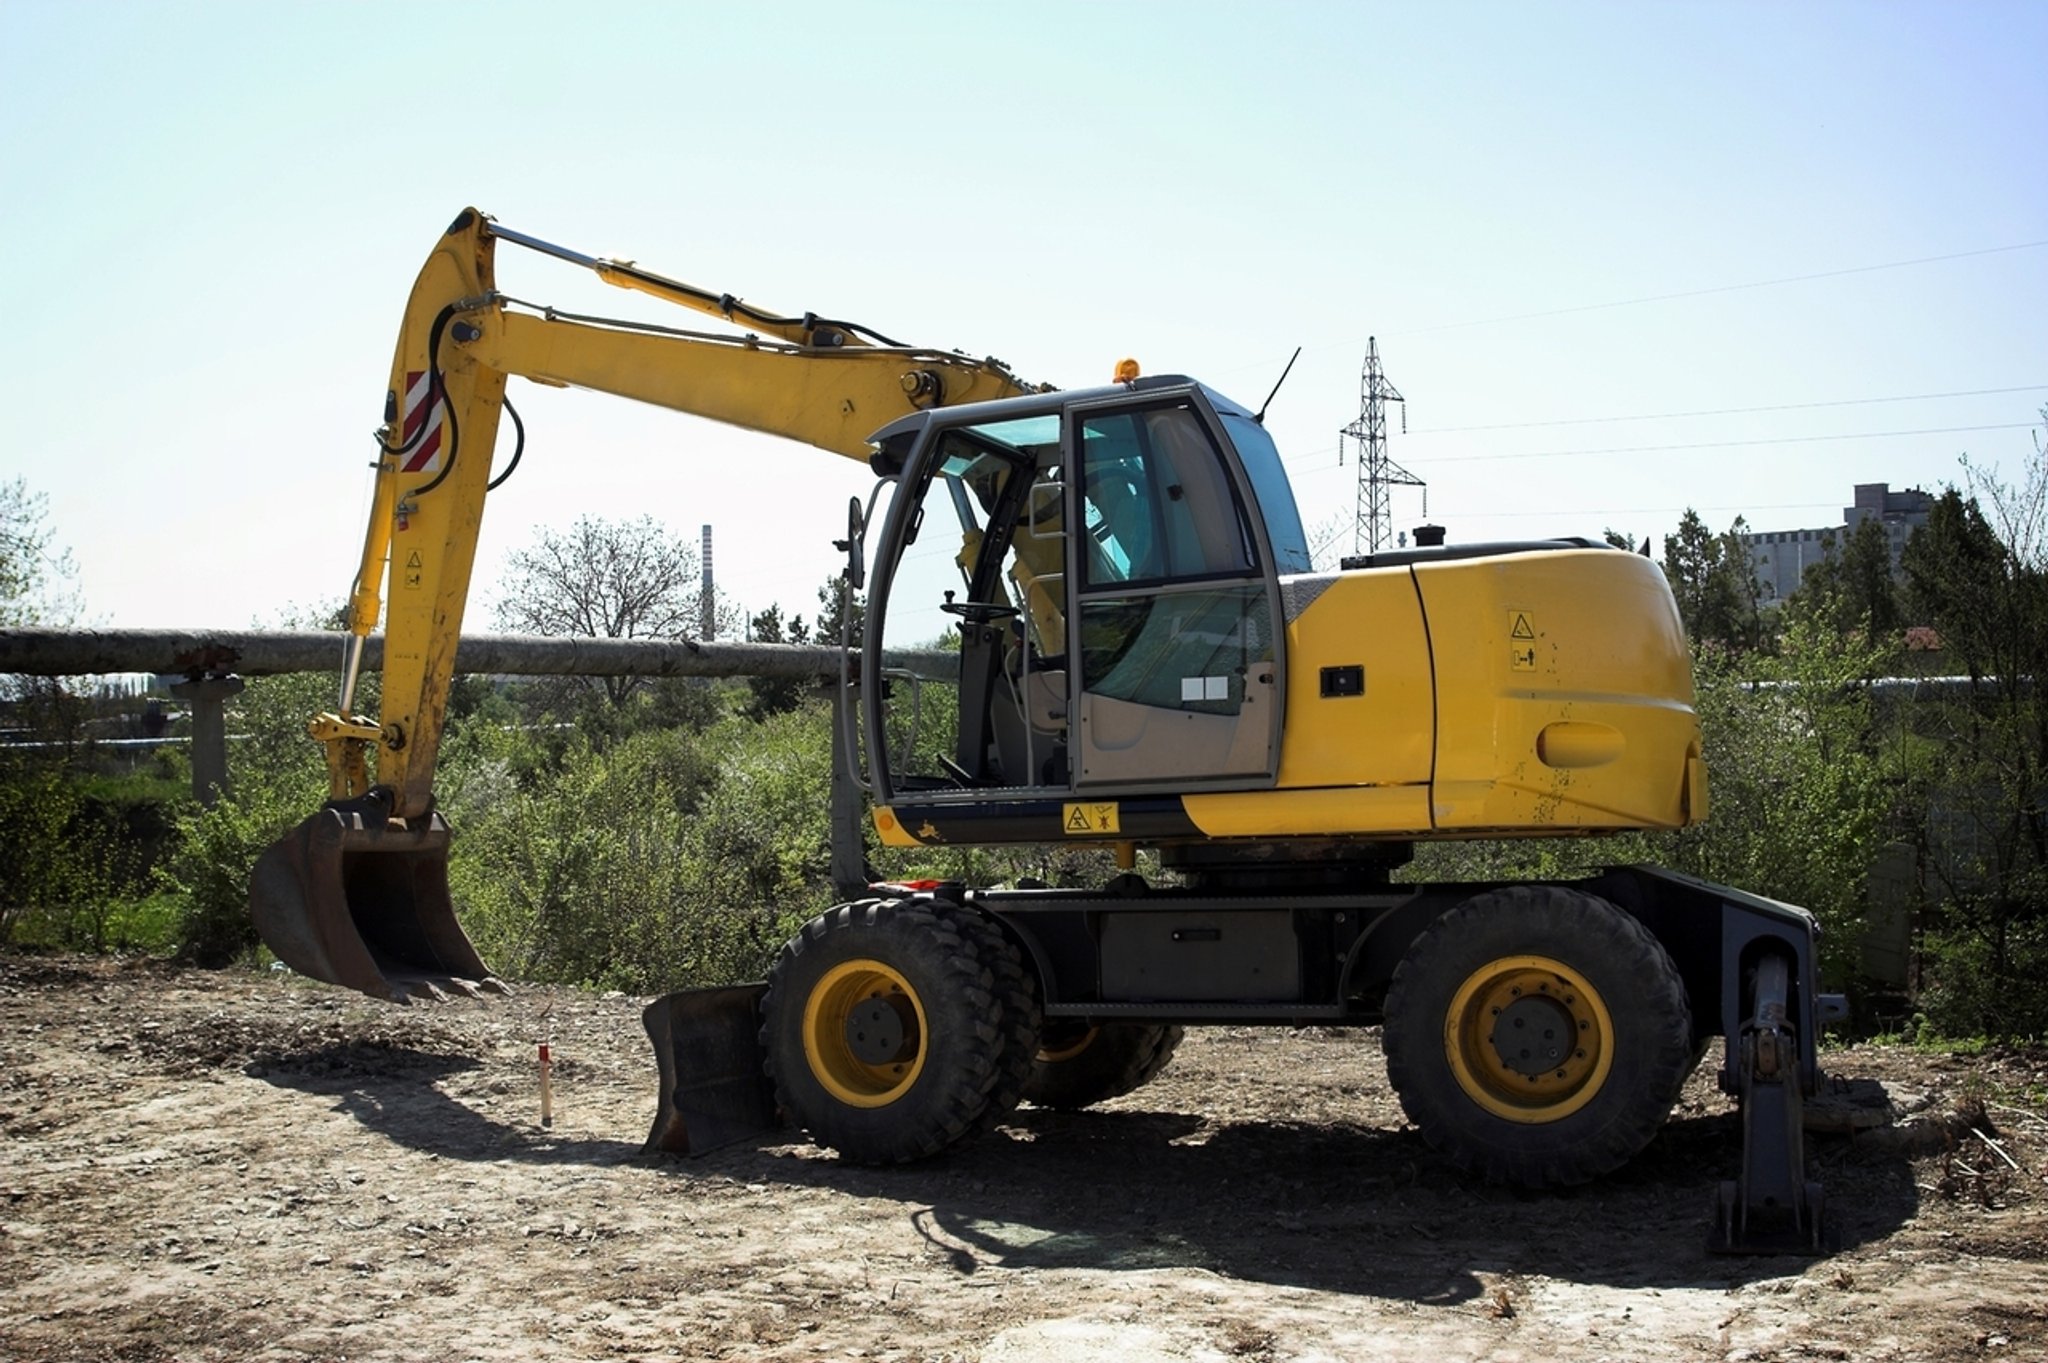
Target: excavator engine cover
361, 900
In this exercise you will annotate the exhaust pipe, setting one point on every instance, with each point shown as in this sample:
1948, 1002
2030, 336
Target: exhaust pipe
358, 899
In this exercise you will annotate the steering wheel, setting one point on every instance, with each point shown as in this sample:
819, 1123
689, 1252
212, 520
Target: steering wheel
980, 612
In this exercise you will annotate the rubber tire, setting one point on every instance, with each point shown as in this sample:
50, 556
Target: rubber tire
1120, 1058
1646, 1006
1016, 989
965, 1025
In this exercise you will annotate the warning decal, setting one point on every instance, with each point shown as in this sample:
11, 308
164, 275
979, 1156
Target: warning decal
424, 457
412, 570
1519, 626
1088, 820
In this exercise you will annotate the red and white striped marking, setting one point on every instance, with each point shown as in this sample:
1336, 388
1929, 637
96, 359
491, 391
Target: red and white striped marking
425, 457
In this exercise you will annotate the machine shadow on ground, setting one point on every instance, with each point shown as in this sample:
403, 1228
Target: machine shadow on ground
401, 1100
1328, 1206
1333, 1207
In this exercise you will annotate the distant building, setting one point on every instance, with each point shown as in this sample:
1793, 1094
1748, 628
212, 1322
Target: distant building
1780, 558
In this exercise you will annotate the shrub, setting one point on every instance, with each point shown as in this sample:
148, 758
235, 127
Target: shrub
669, 860
62, 867
277, 778
1968, 993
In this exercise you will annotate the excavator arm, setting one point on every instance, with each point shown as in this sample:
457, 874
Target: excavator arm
357, 895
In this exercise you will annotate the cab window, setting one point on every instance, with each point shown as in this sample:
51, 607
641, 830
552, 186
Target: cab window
1157, 504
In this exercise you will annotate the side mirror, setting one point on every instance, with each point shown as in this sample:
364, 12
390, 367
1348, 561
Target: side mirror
853, 545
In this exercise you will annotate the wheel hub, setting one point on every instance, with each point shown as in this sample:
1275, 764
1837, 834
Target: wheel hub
864, 1033
1064, 1040
1528, 1038
1534, 1036
878, 1030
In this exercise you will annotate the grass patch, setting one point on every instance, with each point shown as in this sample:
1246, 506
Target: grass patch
149, 925
1921, 1035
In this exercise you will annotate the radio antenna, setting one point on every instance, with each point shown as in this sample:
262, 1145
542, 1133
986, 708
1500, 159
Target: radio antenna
1261, 417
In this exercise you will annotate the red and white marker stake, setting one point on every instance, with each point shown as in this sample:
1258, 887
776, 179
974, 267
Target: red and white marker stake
547, 1088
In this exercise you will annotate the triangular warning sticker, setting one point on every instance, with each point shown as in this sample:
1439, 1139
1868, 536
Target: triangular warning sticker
1077, 820
414, 560
1520, 628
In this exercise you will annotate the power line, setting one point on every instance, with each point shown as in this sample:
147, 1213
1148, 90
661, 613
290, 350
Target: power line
1735, 411
1732, 444
1745, 509
1298, 462
1669, 297
1723, 288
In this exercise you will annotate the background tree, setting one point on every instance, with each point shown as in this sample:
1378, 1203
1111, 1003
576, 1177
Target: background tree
606, 579
774, 695
1853, 587
75, 840
38, 586
36, 573
1621, 539
1802, 778
1719, 598
1977, 572
832, 618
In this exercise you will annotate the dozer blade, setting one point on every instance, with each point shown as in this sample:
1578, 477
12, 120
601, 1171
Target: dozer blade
714, 1091
361, 901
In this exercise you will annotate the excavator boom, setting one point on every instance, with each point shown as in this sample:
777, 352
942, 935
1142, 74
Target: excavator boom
357, 895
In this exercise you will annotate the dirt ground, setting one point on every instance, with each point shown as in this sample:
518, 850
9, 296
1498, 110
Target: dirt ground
232, 1166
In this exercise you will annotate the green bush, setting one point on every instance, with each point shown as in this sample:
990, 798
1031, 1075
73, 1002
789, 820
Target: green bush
277, 778
208, 871
1804, 783
63, 866
1970, 994
668, 860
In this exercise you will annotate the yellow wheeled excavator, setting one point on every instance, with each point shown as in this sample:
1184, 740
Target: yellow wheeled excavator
1147, 659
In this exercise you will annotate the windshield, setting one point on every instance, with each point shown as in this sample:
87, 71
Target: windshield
1276, 495
1020, 433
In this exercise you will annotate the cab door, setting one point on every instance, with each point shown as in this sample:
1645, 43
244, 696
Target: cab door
1173, 602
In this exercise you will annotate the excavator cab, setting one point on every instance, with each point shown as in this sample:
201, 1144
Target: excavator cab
1116, 591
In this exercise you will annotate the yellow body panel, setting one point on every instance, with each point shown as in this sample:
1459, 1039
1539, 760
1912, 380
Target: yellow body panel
1349, 765
1386, 735
890, 829
1340, 811
1564, 693
1513, 695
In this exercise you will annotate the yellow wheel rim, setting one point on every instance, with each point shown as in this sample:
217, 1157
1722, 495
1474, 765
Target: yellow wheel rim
1529, 1039
864, 1032
1066, 1049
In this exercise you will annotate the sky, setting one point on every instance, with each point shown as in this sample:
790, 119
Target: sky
1620, 259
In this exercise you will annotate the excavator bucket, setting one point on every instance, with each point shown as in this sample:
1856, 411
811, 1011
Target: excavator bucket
361, 901
714, 1091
